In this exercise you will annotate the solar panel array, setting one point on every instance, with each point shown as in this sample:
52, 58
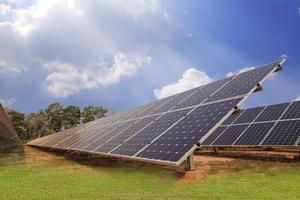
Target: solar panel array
273, 125
165, 131
7, 131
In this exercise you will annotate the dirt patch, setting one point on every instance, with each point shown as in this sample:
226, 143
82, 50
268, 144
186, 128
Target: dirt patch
208, 165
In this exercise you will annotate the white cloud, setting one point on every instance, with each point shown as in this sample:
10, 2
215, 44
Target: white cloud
4, 9
297, 99
8, 102
123, 66
191, 78
66, 80
69, 37
239, 71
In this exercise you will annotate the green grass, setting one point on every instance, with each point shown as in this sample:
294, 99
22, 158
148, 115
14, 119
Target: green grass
34, 176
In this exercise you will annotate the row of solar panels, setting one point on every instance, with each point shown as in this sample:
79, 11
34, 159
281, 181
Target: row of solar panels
164, 131
7, 131
273, 125
215, 91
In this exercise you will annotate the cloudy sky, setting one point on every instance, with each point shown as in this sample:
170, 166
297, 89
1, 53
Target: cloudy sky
121, 53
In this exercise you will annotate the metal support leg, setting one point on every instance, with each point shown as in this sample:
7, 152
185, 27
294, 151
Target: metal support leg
190, 164
216, 150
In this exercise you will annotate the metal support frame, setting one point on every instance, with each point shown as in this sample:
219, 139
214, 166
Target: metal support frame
190, 163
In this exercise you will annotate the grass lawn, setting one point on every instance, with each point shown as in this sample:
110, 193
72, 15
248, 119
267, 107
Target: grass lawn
32, 174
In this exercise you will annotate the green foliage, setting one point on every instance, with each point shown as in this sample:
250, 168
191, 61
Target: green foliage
87, 114
71, 116
55, 113
18, 121
90, 113
53, 119
37, 124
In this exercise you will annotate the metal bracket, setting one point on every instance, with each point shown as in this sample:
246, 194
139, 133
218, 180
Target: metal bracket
258, 88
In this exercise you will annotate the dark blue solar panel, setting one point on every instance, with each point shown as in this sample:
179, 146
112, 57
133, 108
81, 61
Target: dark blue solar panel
232, 118
254, 134
293, 111
92, 129
284, 133
202, 93
230, 135
185, 134
248, 115
272, 112
98, 139
243, 83
144, 137
126, 134
177, 99
213, 136
167, 138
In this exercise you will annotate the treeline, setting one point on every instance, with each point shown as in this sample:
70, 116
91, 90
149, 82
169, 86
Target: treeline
54, 118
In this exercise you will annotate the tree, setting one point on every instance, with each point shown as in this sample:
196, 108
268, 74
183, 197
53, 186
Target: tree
18, 121
99, 112
87, 114
55, 117
90, 113
37, 124
71, 116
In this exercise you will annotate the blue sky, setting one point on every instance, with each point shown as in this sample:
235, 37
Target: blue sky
121, 54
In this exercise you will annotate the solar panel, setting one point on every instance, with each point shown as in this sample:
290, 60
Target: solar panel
232, 118
186, 133
284, 133
165, 131
7, 130
124, 135
293, 111
202, 93
143, 138
267, 126
212, 137
272, 112
230, 135
254, 134
177, 99
248, 115
243, 82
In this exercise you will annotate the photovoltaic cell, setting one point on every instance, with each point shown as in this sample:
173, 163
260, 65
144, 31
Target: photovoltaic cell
177, 99
284, 133
230, 135
143, 138
272, 112
248, 115
85, 134
243, 82
293, 111
202, 93
268, 124
254, 134
126, 134
98, 140
186, 133
232, 118
213, 136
